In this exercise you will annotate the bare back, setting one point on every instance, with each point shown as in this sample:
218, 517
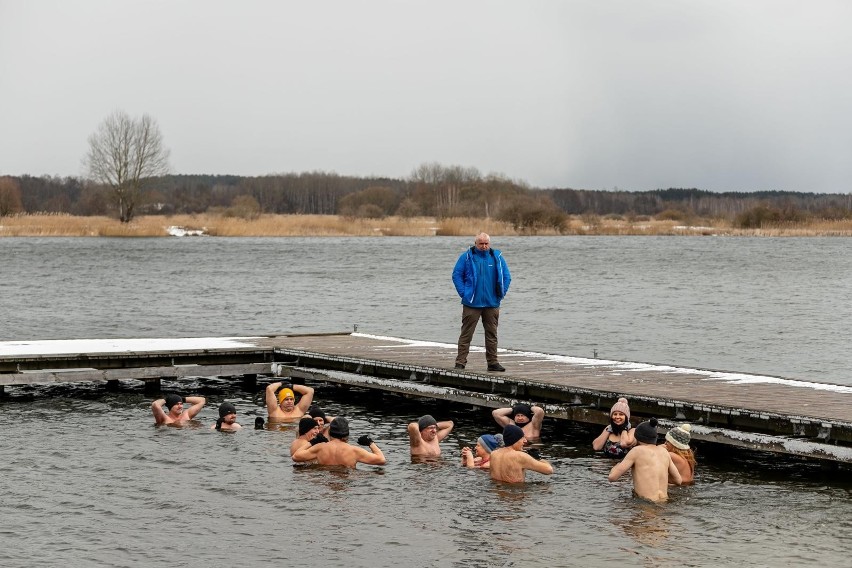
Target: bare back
508, 464
339, 452
686, 473
652, 467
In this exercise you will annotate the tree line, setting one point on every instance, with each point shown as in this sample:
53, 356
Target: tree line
430, 190
128, 173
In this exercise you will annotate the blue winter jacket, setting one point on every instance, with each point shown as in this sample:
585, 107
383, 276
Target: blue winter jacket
464, 277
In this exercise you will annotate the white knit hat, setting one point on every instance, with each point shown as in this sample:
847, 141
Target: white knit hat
679, 437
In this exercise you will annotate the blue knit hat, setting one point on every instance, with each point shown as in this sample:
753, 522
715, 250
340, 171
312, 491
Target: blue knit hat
490, 442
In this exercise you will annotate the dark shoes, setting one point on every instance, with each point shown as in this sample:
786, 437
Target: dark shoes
459, 366
496, 367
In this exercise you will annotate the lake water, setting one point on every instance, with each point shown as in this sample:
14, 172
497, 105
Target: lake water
88, 480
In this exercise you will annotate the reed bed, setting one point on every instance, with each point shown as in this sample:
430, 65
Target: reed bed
53, 225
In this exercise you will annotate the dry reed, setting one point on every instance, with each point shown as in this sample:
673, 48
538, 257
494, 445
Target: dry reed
53, 225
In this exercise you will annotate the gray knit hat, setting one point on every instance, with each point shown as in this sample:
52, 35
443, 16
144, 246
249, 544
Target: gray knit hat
679, 437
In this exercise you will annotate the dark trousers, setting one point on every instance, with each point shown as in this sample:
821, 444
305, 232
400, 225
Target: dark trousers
470, 317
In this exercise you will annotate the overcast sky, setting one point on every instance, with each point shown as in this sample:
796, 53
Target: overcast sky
723, 95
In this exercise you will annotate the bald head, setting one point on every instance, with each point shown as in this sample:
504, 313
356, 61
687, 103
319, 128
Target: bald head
482, 241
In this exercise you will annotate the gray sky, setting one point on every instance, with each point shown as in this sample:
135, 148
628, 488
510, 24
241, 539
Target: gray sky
723, 95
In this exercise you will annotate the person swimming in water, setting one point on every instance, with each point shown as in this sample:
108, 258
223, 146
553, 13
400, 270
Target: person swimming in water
338, 450
480, 456
308, 430
617, 438
282, 407
227, 421
510, 462
528, 418
176, 414
677, 444
425, 434
652, 465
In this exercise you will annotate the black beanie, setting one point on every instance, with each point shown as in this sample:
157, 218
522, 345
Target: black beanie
647, 432
339, 428
226, 408
172, 399
524, 409
306, 424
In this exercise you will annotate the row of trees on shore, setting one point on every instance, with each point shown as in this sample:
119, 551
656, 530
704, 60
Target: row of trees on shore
127, 174
431, 190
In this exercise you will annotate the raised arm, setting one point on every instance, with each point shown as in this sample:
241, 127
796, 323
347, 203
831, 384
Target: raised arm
307, 396
541, 466
627, 439
467, 459
538, 417
444, 429
414, 438
501, 416
271, 399
158, 412
373, 457
197, 403
598, 443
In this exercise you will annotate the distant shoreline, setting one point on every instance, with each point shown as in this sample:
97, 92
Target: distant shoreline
55, 225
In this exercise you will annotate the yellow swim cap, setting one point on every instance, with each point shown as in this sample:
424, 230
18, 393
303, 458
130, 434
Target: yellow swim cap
284, 393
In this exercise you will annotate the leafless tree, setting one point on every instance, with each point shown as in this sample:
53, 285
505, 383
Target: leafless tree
125, 154
10, 196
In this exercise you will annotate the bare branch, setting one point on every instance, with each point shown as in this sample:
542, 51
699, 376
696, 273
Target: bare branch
124, 153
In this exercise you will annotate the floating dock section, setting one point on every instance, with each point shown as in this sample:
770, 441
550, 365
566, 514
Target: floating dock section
772, 414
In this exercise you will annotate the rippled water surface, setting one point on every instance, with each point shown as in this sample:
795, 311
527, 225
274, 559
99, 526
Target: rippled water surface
89, 481
768, 306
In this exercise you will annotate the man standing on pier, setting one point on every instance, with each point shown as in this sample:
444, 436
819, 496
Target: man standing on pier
481, 277
176, 415
283, 407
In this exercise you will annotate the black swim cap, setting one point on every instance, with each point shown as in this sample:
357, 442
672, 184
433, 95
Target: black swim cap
306, 424
339, 428
511, 434
316, 412
226, 408
172, 399
524, 409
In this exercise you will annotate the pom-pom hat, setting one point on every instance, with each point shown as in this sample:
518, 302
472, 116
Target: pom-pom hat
621, 406
679, 437
646, 432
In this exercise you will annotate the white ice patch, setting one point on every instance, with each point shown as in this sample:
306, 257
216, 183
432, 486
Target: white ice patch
184, 232
615, 366
75, 346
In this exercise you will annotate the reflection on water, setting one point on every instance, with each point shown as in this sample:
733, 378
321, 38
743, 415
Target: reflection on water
647, 526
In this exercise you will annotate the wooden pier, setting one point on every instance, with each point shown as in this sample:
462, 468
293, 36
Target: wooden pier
762, 413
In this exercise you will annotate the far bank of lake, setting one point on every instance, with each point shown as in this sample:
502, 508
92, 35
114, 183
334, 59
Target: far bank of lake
50, 225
